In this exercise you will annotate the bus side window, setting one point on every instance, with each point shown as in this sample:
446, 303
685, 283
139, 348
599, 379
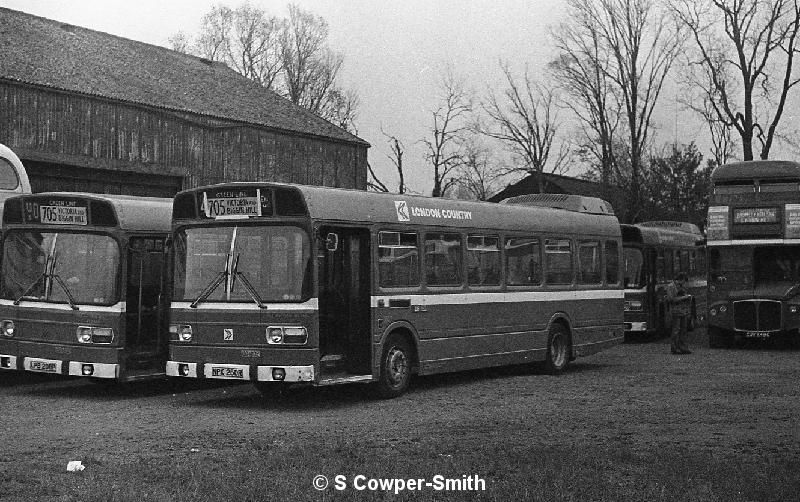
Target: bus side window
398, 259
483, 260
523, 261
558, 261
589, 262
443, 259
612, 262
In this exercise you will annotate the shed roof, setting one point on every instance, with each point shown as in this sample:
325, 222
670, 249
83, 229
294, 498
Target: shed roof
552, 183
57, 55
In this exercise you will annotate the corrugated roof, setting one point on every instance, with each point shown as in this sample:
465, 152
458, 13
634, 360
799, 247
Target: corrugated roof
552, 183
44, 52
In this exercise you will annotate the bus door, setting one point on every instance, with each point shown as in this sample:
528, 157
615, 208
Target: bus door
145, 344
344, 299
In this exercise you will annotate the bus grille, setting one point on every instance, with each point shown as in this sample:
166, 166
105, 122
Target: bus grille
757, 315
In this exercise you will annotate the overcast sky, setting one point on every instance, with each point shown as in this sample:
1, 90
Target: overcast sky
394, 52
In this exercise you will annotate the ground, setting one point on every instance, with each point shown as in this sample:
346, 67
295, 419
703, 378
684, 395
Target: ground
631, 423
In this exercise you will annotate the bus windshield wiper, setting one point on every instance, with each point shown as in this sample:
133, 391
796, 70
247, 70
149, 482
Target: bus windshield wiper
43, 275
219, 279
53, 275
70, 298
792, 291
247, 285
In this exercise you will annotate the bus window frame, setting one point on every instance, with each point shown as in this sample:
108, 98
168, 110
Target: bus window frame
545, 264
540, 247
423, 262
309, 287
376, 258
115, 234
500, 269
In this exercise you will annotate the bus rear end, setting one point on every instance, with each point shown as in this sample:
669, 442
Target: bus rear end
243, 306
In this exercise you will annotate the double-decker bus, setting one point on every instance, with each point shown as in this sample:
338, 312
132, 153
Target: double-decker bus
276, 283
753, 235
654, 253
80, 282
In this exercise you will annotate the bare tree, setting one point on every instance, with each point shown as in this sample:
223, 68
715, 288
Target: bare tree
290, 56
744, 62
478, 172
525, 119
449, 125
638, 46
580, 70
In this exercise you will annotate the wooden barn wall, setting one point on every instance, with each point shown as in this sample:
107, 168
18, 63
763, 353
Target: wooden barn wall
68, 129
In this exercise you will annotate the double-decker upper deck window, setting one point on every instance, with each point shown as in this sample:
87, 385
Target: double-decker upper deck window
443, 259
612, 262
398, 259
483, 260
589, 261
558, 261
523, 261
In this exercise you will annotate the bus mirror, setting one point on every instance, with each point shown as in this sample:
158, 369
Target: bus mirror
332, 241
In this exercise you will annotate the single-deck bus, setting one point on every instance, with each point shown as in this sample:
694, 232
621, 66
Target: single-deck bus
753, 237
80, 282
654, 253
276, 283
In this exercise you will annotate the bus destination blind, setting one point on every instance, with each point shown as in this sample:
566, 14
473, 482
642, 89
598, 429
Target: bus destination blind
57, 212
235, 203
755, 215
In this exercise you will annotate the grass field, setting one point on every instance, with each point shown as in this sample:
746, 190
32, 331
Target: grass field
633, 423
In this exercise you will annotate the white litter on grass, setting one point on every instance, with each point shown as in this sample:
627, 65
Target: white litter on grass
194, 450
75, 466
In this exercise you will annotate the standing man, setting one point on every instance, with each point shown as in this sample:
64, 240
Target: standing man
680, 307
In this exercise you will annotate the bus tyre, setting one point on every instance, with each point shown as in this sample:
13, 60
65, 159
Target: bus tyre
396, 365
557, 350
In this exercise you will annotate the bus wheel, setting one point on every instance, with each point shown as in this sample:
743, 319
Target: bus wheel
395, 368
557, 350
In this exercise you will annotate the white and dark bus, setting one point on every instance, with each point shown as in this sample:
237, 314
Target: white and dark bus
275, 283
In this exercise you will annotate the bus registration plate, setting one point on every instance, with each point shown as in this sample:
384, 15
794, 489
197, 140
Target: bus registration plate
757, 334
225, 372
44, 365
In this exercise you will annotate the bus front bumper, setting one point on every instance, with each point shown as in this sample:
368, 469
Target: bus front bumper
59, 367
241, 372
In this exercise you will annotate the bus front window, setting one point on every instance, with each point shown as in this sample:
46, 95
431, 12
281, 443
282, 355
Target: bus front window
776, 265
634, 260
270, 261
53, 266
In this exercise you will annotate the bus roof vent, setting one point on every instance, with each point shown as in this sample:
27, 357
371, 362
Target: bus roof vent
577, 203
680, 226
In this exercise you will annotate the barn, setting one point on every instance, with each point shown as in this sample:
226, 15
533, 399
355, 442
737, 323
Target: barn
90, 111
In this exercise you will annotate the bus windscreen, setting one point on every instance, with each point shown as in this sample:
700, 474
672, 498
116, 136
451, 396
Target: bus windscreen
242, 263
634, 261
60, 267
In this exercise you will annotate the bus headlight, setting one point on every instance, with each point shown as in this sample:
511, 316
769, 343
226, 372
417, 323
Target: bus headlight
291, 335
84, 334
180, 332
274, 335
91, 334
723, 309
7, 328
794, 308
713, 312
